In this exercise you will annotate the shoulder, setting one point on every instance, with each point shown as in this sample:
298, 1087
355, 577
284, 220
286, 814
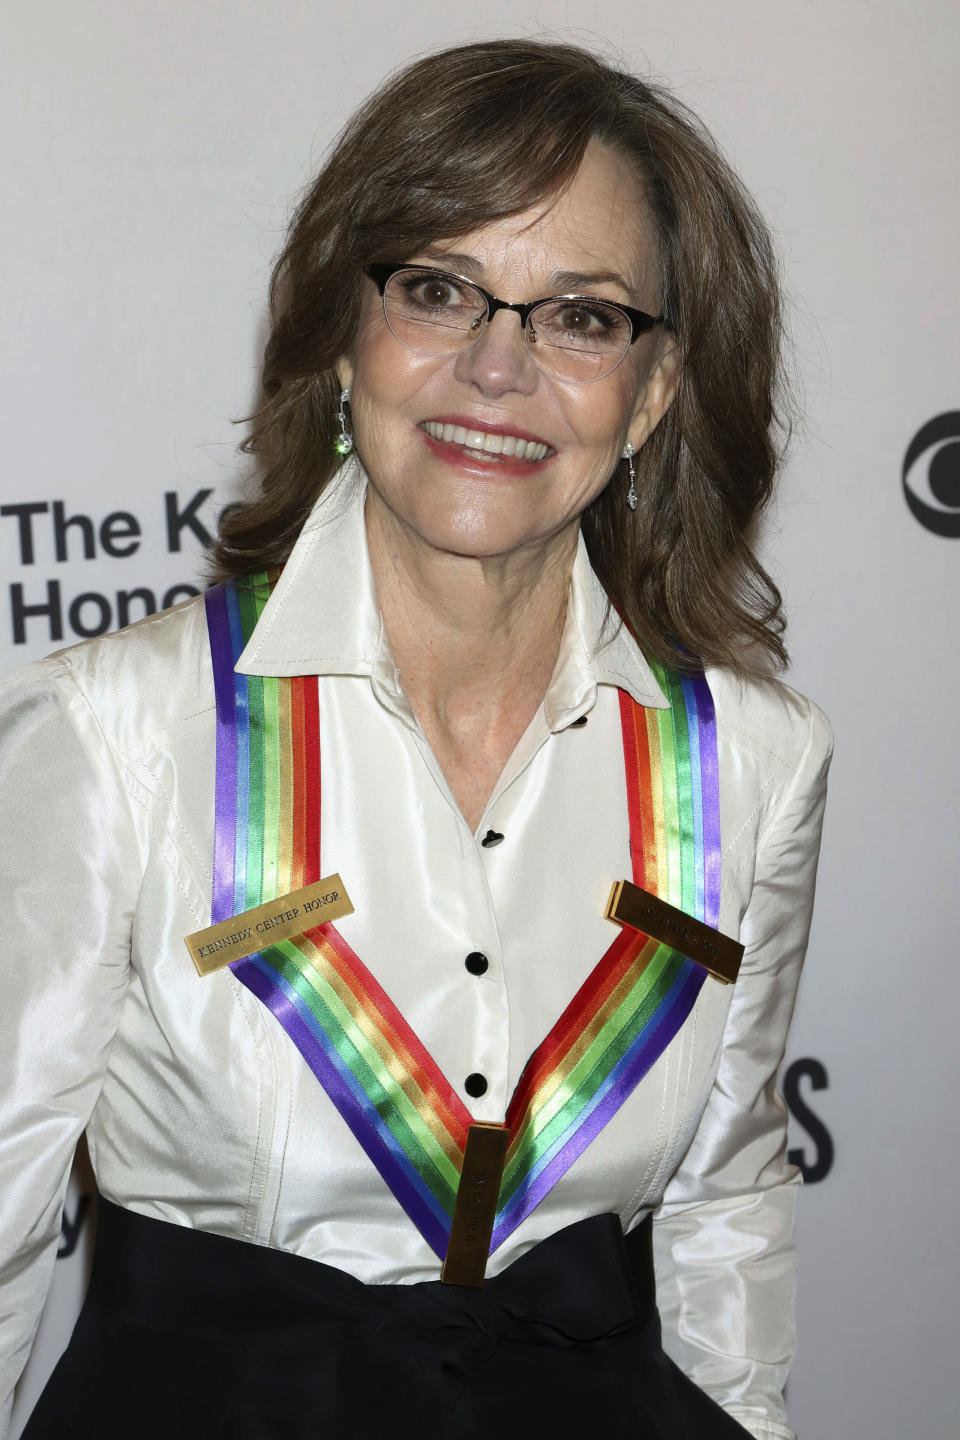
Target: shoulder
133, 686
771, 718
772, 742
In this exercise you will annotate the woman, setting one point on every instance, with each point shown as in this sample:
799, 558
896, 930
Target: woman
535, 311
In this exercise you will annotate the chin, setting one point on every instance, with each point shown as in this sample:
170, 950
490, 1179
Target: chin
480, 529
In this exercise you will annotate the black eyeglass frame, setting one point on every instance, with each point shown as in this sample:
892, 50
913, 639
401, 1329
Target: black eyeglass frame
640, 322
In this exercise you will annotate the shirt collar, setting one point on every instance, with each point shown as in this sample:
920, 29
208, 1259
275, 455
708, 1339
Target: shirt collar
322, 618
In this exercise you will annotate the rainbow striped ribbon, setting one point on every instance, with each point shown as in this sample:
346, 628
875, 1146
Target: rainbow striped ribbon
387, 1087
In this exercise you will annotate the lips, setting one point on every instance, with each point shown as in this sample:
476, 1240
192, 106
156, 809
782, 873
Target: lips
491, 445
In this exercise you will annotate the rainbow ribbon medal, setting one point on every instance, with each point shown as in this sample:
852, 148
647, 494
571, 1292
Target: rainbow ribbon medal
387, 1087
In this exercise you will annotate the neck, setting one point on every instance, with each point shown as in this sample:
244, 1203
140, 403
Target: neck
459, 623
475, 641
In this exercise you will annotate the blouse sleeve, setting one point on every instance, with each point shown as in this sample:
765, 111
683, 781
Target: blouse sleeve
724, 1232
68, 868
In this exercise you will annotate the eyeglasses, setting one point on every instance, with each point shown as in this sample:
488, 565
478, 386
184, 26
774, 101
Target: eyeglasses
571, 337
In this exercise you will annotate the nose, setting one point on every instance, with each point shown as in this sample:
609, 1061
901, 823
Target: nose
499, 362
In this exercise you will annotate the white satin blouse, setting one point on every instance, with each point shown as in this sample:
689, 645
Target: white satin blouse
198, 1108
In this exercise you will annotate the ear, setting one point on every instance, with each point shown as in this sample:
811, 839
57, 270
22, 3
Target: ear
344, 372
656, 394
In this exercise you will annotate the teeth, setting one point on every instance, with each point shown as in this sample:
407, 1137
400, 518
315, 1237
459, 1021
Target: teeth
480, 444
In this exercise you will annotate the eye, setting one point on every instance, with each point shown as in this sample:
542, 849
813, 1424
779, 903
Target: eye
584, 318
585, 324
576, 317
432, 292
436, 292
931, 475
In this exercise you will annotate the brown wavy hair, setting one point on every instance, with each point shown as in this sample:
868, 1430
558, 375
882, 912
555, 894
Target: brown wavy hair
478, 132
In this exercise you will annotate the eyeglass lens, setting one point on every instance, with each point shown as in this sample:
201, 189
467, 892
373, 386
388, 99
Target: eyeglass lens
436, 314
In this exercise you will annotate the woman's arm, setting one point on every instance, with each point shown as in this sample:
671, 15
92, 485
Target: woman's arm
68, 877
724, 1233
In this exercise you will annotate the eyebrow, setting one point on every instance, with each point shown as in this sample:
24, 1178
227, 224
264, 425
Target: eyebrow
562, 282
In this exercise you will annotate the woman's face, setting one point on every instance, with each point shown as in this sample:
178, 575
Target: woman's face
595, 238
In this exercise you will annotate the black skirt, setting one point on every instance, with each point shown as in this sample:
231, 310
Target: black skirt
187, 1335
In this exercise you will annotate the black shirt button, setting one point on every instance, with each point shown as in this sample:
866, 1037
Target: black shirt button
476, 962
475, 1085
492, 837
578, 724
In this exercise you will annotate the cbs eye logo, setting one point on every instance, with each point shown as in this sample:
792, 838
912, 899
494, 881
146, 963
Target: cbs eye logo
931, 475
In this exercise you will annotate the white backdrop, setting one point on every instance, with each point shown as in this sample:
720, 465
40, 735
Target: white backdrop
150, 156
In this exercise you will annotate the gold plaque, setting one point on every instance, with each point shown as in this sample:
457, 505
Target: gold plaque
476, 1207
718, 954
275, 920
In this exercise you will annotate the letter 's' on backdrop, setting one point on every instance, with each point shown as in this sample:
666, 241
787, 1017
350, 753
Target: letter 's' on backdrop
150, 157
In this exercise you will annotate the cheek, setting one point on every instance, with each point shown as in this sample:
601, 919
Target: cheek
600, 414
387, 376
372, 359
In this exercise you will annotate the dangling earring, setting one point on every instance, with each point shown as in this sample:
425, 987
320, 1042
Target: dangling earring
344, 441
628, 454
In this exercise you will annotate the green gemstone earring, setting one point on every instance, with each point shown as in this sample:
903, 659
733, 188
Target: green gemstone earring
344, 441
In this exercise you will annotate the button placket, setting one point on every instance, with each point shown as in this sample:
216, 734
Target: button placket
486, 1061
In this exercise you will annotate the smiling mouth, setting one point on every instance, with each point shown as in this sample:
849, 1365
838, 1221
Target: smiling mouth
483, 446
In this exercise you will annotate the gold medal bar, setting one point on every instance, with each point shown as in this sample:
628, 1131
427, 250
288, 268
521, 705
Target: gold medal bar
718, 954
275, 920
476, 1208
